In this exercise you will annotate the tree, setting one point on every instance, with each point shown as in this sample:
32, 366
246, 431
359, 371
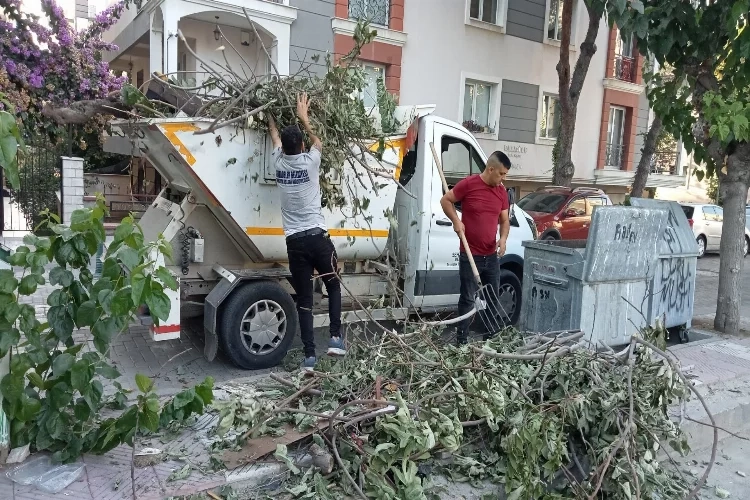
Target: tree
570, 87
707, 104
647, 154
55, 65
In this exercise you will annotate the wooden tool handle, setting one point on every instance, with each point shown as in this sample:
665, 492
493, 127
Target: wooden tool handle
461, 235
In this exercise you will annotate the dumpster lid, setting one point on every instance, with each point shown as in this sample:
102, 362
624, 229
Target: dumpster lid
678, 240
622, 244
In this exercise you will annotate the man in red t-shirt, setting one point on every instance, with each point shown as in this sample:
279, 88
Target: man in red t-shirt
484, 206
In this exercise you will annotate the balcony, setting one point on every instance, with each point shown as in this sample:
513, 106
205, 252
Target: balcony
624, 69
375, 11
614, 156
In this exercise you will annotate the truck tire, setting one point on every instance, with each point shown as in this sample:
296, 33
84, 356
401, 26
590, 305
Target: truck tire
510, 293
258, 324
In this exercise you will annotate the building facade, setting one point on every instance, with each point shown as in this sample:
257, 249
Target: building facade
489, 65
492, 67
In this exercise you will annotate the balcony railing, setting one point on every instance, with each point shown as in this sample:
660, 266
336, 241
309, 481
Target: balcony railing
664, 162
375, 11
614, 156
625, 68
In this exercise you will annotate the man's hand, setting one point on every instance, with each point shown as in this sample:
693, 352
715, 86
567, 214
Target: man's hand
501, 247
303, 107
459, 228
274, 131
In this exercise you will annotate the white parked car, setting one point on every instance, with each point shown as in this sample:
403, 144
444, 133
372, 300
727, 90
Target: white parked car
707, 222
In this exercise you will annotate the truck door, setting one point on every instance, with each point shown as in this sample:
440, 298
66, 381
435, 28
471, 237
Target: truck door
439, 284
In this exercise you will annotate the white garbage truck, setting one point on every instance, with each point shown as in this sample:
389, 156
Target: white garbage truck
221, 211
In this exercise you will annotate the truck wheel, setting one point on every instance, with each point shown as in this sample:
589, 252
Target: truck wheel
510, 297
258, 325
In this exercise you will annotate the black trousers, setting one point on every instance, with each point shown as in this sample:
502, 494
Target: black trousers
307, 254
489, 272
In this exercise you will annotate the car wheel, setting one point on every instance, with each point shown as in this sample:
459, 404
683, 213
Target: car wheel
550, 237
258, 324
509, 298
701, 240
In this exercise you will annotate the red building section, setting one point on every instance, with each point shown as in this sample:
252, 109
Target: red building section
624, 64
378, 52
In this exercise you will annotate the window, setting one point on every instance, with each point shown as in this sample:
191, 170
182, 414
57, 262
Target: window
547, 203
459, 158
477, 101
549, 123
577, 206
708, 213
718, 214
624, 61
688, 211
369, 94
615, 130
554, 22
595, 201
375, 11
483, 10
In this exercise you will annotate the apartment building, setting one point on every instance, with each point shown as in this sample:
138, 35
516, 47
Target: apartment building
491, 65
488, 64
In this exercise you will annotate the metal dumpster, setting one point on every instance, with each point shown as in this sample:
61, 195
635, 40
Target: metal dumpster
672, 294
597, 285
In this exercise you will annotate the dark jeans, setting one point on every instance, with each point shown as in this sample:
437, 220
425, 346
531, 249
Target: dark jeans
308, 253
489, 272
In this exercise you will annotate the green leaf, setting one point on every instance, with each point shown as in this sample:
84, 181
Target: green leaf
94, 395
183, 398
137, 283
80, 220
36, 380
9, 158
87, 315
62, 364
637, 6
28, 285
80, 376
740, 127
129, 257
721, 493
60, 276
66, 253
57, 298
9, 338
205, 390
158, 304
166, 277
121, 304
12, 311
123, 231
30, 408
150, 420
144, 383
12, 386
107, 371
180, 474
8, 281
105, 300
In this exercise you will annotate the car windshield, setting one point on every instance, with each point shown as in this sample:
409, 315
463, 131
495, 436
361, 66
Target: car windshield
547, 203
688, 211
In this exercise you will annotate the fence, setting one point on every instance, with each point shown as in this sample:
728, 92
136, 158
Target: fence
40, 173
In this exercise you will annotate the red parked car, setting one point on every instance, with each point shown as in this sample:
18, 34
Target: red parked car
562, 213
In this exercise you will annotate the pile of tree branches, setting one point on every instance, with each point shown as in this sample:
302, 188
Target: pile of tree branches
546, 415
237, 98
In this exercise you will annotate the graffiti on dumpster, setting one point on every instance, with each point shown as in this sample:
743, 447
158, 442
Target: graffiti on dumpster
677, 284
670, 235
625, 233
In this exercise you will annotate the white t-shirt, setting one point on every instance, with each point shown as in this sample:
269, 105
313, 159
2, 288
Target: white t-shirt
298, 179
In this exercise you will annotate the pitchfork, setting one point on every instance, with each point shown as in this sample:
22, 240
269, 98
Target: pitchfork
486, 301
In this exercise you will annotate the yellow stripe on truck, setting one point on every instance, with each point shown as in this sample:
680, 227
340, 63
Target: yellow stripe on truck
362, 233
170, 131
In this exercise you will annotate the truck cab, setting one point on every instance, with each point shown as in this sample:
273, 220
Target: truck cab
427, 247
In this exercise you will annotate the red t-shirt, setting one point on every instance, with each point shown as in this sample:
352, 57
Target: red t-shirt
480, 212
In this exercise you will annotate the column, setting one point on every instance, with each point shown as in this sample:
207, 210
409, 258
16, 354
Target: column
72, 186
156, 43
170, 36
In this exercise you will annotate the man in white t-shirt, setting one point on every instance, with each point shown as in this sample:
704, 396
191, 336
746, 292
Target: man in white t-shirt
307, 241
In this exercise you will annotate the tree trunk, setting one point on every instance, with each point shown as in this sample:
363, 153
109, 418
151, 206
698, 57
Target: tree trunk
647, 153
733, 188
569, 89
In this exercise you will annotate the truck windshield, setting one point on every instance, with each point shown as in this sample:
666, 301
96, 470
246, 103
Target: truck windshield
542, 202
